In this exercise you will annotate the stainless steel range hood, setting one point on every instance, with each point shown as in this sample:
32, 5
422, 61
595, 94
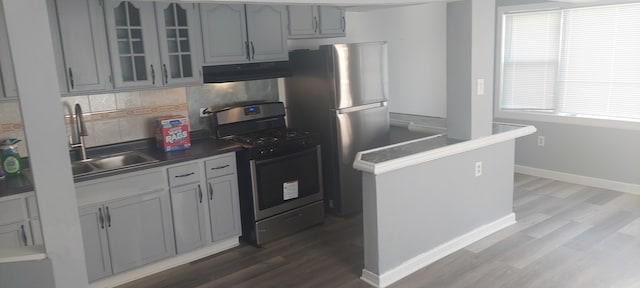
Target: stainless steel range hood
245, 72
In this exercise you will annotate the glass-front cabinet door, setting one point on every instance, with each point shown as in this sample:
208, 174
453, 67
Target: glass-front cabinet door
177, 25
8, 87
133, 43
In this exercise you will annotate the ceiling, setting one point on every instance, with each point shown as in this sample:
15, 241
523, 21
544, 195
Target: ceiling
351, 5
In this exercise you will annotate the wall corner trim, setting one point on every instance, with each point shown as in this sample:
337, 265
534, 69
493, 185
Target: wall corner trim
579, 179
435, 254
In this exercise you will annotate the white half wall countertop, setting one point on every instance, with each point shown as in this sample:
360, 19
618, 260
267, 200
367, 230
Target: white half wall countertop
397, 156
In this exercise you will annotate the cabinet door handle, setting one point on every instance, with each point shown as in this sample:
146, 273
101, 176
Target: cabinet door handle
200, 193
246, 46
344, 24
71, 79
253, 51
210, 191
166, 75
24, 235
184, 175
315, 24
101, 218
108, 216
220, 167
153, 75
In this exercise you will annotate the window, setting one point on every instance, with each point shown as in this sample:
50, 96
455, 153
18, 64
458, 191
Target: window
573, 62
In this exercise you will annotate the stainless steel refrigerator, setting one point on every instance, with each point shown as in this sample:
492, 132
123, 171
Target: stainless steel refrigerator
340, 92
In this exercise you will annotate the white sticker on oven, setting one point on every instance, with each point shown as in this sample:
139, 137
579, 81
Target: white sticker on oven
290, 190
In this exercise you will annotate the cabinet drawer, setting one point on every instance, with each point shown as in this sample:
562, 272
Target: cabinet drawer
219, 166
184, 174
12, 211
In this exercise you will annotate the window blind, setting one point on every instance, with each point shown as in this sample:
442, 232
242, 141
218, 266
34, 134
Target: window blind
530, 60
573, 61
600, 66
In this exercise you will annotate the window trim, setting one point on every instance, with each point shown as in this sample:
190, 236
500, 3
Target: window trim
531, 115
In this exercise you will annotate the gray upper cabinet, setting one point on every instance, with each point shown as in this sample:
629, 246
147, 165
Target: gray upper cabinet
8, 87
224, 33
243, 33
84, 45
266, 25
332, 21
178, 34
133, 43
306, 21
303, 21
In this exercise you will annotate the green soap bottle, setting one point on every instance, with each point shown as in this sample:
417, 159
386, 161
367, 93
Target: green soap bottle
11, 163
9, 157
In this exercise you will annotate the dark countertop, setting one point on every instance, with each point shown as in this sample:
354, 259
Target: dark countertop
201, 147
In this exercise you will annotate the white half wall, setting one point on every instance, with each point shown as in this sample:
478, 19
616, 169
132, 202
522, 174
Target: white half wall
416, 37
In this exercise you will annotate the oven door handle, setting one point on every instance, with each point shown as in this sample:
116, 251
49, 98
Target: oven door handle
269, 160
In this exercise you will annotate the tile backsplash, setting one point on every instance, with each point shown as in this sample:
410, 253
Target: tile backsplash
119, 117
11, 124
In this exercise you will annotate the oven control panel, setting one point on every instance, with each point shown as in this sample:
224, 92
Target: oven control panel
294, 146
252, 110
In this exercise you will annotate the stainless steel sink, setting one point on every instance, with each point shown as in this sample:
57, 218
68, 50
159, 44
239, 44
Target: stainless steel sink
111, 162
78, 168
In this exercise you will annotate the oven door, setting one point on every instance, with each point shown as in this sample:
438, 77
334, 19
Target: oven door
286, 182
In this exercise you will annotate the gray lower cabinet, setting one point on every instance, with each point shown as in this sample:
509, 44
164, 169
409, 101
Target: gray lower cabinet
123, 234
15, 235
205, 208
36, 231
190, 212
15, 231
224, 207
94, 239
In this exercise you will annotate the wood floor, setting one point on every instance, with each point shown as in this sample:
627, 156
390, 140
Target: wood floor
567, 235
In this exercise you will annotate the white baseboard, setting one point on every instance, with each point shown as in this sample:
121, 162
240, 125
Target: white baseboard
579, 179
435, 254
162, 265
370, 278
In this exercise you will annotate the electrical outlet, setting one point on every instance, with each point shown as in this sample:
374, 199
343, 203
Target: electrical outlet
204, 112
478, 169
541, 140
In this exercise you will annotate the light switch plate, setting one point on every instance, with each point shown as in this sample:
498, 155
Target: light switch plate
480, 87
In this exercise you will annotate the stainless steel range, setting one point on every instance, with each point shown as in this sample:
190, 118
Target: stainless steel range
279, 172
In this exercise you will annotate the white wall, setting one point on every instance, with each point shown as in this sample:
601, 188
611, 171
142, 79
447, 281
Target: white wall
416, 36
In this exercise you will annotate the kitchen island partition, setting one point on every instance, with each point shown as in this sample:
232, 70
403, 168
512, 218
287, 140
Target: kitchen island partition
427, 198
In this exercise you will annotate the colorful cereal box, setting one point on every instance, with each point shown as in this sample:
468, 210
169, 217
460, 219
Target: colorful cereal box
172, 133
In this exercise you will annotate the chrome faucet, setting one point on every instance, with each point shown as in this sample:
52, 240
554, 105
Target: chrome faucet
81, 131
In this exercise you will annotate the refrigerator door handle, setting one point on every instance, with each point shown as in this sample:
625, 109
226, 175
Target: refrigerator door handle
361, 107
